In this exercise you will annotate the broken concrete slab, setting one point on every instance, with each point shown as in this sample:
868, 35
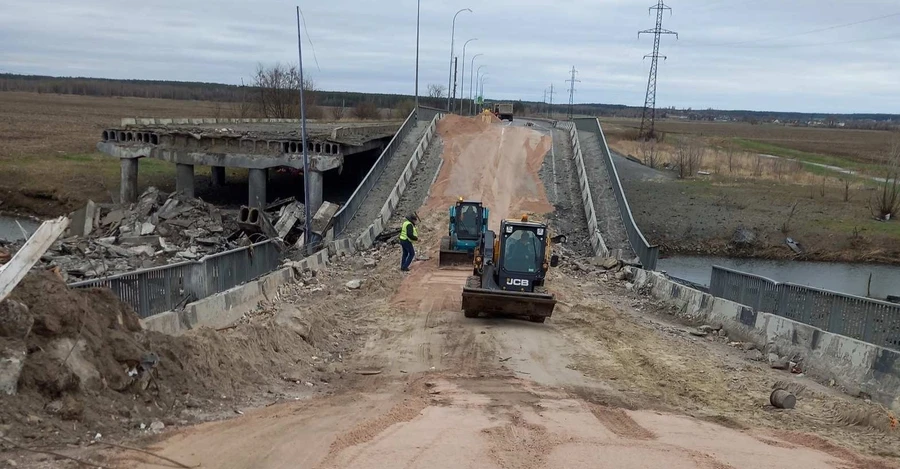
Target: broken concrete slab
14, 271
354, 284
147, 228
290, 215
83, 220
113, 217
145, 251
323, 217
139, 241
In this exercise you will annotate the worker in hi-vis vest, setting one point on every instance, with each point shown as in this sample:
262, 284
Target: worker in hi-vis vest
408, 234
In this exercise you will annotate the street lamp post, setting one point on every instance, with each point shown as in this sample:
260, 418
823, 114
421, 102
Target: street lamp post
463, 74
471, 82
452, 38
475, 85
483, 77
418, 10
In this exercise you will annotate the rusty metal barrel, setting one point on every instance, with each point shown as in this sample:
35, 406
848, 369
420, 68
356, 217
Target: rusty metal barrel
782, 399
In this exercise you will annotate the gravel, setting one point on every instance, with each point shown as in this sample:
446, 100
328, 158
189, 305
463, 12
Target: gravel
608, 218
379, 193
420, 184
560, 180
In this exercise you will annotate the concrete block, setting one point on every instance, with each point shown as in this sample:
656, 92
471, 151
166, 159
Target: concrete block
164, 121
126, 121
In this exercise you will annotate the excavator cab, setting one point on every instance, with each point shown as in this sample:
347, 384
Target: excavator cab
509, 272
468, 221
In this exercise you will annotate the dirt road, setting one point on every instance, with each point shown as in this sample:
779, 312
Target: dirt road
598, 386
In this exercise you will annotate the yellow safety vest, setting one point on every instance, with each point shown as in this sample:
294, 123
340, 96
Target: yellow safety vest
403, 228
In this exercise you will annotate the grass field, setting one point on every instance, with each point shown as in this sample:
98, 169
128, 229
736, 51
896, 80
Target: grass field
863, 146
48, 150
829, 212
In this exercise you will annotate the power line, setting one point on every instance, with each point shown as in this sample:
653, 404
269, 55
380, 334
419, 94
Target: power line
803, 33
818, 44
648, 116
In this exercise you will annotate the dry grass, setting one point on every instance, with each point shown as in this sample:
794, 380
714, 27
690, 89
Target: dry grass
866, 146
48, 150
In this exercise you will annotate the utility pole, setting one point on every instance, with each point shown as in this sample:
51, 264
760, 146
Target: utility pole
648, 116
572, 92
308, 236
455, 69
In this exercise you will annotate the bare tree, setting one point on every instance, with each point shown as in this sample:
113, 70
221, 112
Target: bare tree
366, 110
650, 153
338, 112
404, 108
278, 92
688, 155
885, 203
730, 151
436, 91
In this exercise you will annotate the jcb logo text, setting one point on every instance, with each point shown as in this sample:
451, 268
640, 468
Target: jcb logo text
517, 282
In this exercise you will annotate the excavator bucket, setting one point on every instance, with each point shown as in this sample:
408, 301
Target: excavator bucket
534, 306
450, 258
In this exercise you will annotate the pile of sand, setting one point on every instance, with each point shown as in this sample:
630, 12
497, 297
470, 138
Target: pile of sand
89, 367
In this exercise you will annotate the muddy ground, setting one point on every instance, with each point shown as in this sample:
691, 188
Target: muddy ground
610, 374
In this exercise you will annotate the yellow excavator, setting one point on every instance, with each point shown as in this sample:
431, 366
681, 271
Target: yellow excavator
509, 272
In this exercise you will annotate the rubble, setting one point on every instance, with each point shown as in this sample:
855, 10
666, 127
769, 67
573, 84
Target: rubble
161, 229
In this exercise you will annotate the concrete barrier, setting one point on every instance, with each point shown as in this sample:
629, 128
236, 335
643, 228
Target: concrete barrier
223, 309
367, 238
598, 247
856, 366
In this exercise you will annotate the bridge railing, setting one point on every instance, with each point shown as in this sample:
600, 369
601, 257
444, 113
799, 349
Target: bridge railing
866, 319
165, 288
349, 209
647, 253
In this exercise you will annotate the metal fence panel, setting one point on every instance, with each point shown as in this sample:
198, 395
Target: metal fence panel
348, 210
647, 253
866, 319
165, 288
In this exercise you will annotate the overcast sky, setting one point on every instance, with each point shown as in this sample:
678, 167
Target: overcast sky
732, 54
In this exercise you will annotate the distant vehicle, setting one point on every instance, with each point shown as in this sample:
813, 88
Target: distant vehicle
504, 111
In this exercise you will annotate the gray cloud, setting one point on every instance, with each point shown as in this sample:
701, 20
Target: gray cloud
737, 54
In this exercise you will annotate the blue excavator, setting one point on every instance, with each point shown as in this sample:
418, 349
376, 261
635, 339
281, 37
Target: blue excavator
468, 221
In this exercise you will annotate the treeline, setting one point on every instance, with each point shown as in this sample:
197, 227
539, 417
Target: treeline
218, 92
188, 91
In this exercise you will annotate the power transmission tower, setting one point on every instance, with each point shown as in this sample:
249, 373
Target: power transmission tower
550, 107
648, 117
572, 92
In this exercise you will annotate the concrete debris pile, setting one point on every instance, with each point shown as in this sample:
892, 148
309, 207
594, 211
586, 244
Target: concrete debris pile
157, 230
161, 229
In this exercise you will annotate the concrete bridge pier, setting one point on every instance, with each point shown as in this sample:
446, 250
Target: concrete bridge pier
217, 174
258, 179
184, 179
316, 190
128, 190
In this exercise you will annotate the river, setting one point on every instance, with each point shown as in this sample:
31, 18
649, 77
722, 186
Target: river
839, 277
10, 231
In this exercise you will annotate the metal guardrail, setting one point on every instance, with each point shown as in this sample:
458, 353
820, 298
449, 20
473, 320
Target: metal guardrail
873, 321
348, 211
647, 253
159, 289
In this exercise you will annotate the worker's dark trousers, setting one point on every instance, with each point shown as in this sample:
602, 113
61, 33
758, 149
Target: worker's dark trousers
409, 252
